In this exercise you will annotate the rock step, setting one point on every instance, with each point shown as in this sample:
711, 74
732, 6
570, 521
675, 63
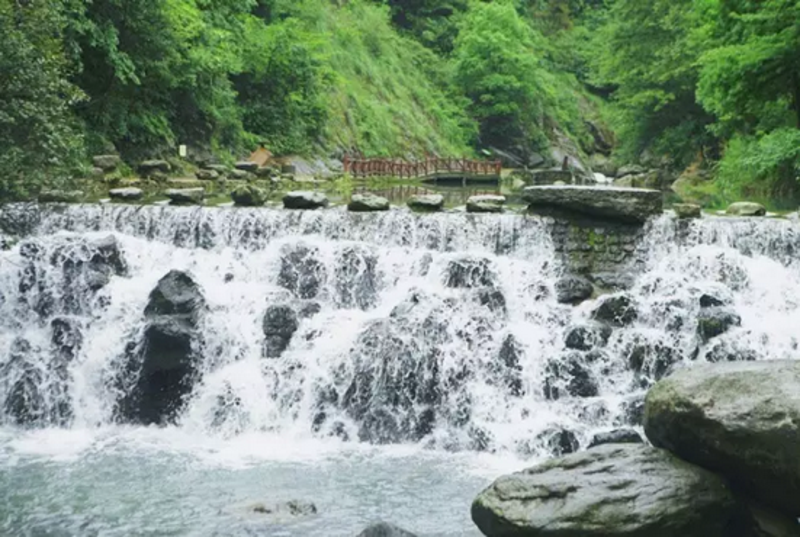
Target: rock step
624, 204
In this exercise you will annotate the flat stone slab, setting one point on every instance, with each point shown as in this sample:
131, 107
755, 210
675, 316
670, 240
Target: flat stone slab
626, 204
426, 203
302, 199
129, 193
486, 204
364, 203
626, 490
186, 196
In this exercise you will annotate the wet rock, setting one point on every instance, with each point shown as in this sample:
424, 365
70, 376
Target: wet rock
24, 402
617, 436
635, 491
165, 359
60, 196
746, 208
150, 167
493, 299
186, 196
632, 411
382, 529
687, 210
308, 310
246, 166
279, 325
715, 321
616, 310
66, 339
587, 336
653, 359
708, 300
207, 175
292, 508
107, 163
364, 203
301, 271
393, 392
573, 290
429, 203
305, 200
730, 351
470, 272
485, 204
569, 375
126, 194
602, 164
741, 420
220, 169
507, 369
559, 441
109, 254
248, 196
356, 278
622, 204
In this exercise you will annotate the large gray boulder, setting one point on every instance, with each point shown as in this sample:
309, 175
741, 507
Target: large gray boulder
365, 203
740, 419
630, 490
625, 204
305, 200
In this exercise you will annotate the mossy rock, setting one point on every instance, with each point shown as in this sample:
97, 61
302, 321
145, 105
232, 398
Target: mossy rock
248, 196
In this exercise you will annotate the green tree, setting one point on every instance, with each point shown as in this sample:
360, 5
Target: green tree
499, 66
646, 52
38, 138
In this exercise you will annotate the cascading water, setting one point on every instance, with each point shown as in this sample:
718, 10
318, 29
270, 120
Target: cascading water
381, 365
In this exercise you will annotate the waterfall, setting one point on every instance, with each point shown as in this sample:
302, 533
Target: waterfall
440, 329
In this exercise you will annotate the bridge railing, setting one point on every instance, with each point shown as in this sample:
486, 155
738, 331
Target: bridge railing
387, 167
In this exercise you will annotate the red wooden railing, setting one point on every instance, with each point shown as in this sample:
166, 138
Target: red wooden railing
387, 167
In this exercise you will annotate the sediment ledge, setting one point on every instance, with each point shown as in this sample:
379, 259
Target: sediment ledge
623, 204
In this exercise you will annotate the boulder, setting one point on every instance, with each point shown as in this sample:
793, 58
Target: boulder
165, 358
602, 164
207, 175
630, 169
623, 204
364, 203
382, 529
715, 321
240, 175
186, 196
126, 194
485, 204
746, 208
60, 196
248, 196
356, 278
280, 324
150, 167
740, 419
429, 203
585, 337
616, 310
687, 210
220, 169
558, 441
96, 173
246, 166
573, 290
107, 163
305, 200
631, 491
617, 436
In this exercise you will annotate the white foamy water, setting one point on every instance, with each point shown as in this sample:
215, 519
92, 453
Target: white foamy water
428, 370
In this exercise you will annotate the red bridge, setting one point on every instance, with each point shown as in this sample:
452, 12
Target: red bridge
429, 169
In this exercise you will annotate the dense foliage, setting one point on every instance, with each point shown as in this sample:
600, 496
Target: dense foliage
683, 83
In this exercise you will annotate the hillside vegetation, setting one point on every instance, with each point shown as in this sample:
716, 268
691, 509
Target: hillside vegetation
706, 85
